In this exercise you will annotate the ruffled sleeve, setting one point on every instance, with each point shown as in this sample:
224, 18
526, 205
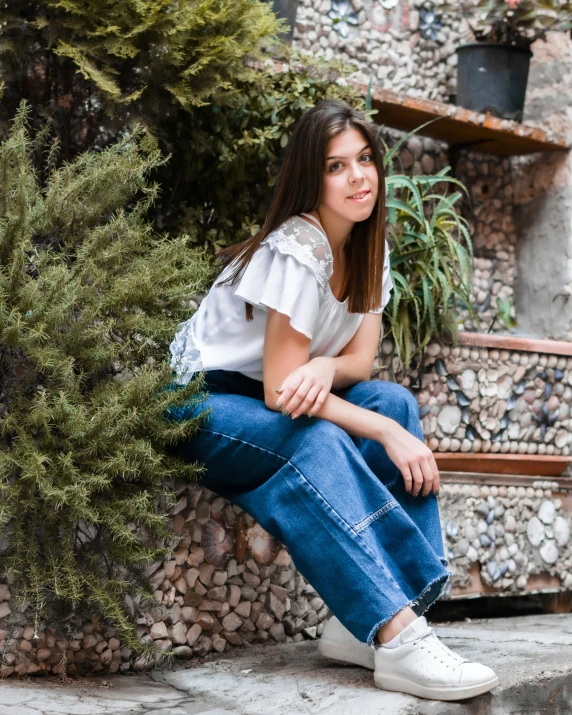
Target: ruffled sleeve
387, 284
279, 280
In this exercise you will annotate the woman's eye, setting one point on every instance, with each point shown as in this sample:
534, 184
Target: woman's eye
333, 166
367, 156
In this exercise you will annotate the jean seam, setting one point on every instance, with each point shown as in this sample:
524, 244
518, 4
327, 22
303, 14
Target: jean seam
351, 532
360, 526
250, 444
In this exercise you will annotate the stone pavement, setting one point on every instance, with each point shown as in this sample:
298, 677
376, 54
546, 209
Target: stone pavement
532, 656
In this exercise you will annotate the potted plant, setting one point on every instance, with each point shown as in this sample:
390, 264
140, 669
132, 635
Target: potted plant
431, 250
493, 71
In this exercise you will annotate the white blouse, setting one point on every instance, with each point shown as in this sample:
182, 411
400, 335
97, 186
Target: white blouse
289, 272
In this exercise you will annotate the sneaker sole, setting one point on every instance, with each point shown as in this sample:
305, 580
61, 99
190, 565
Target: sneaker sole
346, 654
458, 692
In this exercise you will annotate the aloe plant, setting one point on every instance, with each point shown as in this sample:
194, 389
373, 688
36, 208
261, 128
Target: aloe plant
431, 253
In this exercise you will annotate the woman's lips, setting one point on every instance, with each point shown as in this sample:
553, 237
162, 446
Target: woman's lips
364, 197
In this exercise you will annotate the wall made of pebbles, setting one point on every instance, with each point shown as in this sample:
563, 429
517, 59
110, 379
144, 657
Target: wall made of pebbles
209, 602
229, 583
402, 44
489, 210
510, 533
486, 400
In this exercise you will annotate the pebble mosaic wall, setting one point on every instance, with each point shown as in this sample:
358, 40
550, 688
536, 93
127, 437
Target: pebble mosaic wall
407, 47
510, 532
483, 400
229, 583
488, 208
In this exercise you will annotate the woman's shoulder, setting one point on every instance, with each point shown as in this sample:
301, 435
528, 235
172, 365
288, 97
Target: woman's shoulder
307, 243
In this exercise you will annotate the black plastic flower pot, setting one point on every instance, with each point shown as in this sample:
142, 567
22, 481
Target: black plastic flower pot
286, 9
492, 78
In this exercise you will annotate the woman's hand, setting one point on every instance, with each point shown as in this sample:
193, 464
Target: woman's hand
306, 388
412, 457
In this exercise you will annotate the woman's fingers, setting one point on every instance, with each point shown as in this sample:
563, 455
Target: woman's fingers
435, 470
307, 402
288, 390
425, 475
407, 478
320, 399
428, 477
293, 405
418, 478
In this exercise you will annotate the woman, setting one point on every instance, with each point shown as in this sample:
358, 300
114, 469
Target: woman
329, 462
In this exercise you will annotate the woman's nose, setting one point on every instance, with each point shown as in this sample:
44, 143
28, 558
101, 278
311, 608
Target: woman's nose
357, 173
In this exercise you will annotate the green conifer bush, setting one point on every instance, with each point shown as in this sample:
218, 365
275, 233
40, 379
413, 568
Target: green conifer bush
93, 65
90, 297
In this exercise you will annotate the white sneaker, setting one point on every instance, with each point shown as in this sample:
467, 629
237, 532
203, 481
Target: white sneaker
338, 643
423, 666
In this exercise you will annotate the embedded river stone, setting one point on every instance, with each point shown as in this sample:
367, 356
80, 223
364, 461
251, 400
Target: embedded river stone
449, 419
546, 512
549, 552
535, 531
561, 531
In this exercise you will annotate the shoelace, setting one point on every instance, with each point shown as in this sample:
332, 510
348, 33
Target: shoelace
430, 642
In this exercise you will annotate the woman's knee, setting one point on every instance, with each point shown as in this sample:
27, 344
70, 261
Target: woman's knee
326, 432
387, 398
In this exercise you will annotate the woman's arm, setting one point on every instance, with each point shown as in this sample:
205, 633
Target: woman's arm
286, 354
355, 361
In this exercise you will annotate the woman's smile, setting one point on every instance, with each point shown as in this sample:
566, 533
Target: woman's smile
361, 197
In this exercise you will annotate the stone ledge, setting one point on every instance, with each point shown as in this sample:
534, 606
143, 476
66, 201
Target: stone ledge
512, 342
461, 127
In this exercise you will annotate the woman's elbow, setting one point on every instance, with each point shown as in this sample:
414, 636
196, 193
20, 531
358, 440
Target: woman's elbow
270, 400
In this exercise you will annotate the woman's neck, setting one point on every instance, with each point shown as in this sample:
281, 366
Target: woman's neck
338, 232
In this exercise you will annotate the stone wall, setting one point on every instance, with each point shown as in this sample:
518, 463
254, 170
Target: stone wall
510, 533
402, 44
489, 209
229, 583
484, 400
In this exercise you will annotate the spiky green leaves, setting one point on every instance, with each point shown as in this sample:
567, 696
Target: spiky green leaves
88, 294
430, 260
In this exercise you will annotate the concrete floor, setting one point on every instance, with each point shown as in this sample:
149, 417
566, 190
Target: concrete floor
532, 656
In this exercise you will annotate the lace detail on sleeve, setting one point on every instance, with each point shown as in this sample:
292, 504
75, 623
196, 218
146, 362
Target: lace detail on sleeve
185, 355
296, 237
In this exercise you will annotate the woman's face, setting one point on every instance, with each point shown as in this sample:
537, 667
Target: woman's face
350, 181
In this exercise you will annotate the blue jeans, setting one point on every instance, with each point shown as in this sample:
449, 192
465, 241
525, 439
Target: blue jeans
337, 502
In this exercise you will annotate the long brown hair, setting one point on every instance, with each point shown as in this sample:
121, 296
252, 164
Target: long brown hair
298, 190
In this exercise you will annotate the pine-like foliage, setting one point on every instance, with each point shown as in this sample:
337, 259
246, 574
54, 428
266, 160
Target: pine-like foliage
90, 65
90, 297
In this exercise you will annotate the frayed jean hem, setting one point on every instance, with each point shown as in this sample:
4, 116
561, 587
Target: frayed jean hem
419, 602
